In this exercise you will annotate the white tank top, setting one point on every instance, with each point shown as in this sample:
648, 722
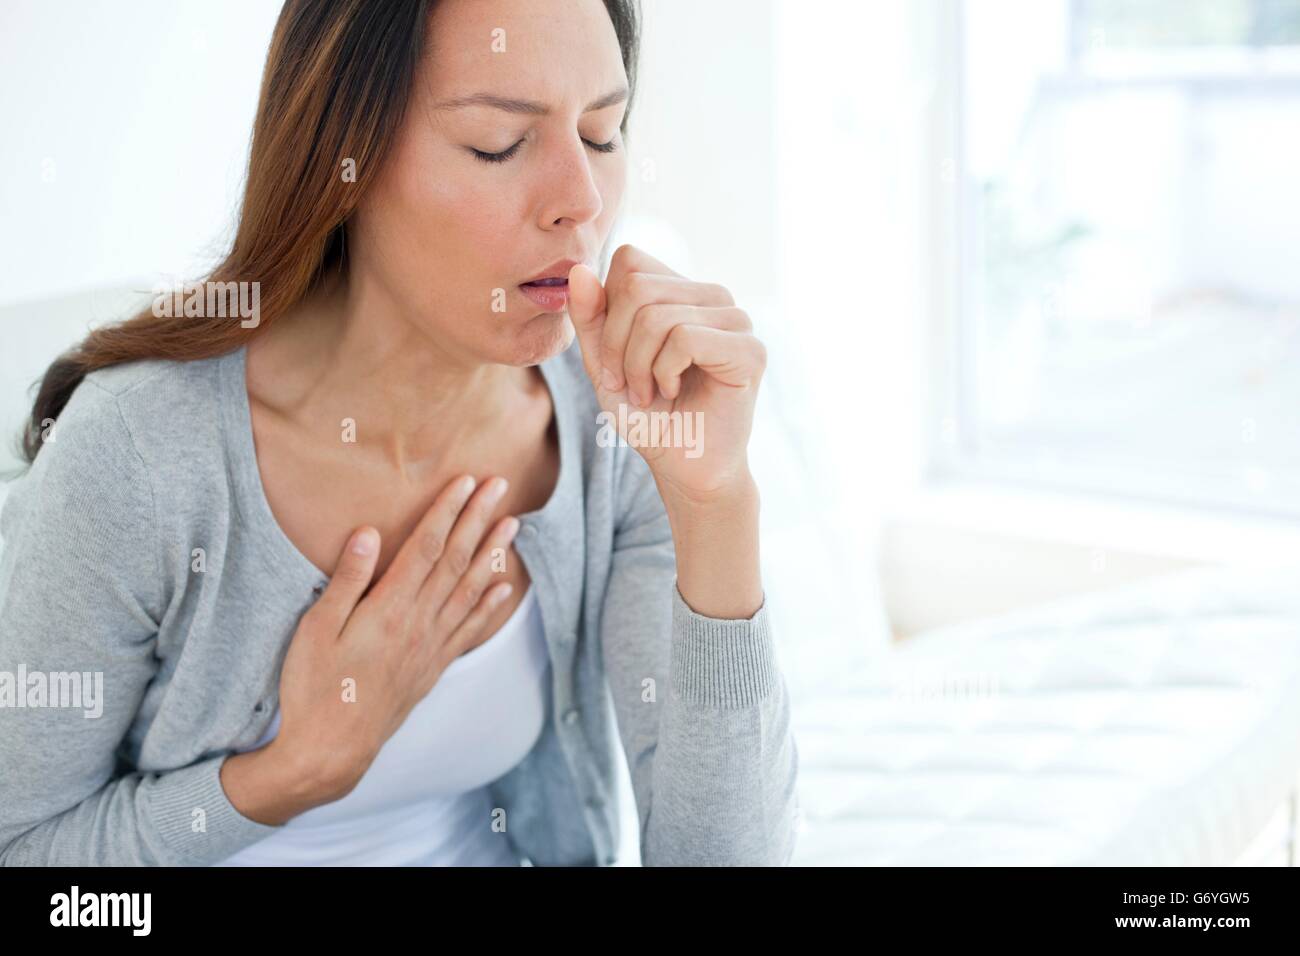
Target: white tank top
424, 800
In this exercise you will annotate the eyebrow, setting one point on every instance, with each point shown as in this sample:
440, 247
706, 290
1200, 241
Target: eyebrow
530, 107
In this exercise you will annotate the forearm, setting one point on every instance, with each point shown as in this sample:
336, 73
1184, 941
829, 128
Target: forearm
179, 817
717, 549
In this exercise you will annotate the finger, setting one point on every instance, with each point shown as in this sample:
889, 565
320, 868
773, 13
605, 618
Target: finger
633, 292
587, 312
475, 582
421, 551
651, 329
628, 258
483, 567
352, 574
731, 358
474, 626
463, 543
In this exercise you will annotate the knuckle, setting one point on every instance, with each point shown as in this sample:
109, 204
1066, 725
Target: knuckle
721, 293
638, 285
474, 627
655, 317
458, 561
476, 619
350, 574
610, 353
742, 319
431, 544
623, 253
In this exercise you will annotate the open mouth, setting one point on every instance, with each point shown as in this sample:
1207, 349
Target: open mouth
551, 294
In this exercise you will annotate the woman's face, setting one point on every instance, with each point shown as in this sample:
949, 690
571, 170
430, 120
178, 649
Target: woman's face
446, 237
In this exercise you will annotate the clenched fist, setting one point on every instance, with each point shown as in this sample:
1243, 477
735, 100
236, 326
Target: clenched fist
675, 366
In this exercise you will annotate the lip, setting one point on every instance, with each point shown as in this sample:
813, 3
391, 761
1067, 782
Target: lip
555, 297
552, 298
556, 270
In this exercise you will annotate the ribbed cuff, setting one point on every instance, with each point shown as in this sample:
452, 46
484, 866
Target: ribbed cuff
201, 839
718, 662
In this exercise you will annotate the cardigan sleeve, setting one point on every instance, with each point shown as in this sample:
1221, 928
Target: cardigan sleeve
703, 710
80, 603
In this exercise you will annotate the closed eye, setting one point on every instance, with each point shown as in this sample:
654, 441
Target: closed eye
507, 154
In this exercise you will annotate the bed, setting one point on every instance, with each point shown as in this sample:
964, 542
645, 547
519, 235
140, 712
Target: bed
1153, 725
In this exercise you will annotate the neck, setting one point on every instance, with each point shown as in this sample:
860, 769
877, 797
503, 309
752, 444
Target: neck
349, 353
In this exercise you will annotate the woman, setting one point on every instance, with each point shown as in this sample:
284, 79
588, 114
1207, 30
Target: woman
358, 570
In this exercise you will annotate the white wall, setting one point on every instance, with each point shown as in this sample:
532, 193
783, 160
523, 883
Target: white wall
702, 145
771, 150
126, 136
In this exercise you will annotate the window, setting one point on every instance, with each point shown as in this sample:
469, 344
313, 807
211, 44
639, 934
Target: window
1129, 248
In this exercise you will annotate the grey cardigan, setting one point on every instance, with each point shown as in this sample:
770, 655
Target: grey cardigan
154, 459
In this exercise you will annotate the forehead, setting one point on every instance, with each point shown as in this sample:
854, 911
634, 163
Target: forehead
556, 51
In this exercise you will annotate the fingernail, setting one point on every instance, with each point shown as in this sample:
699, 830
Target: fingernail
501, 593
512, 527
467, 485
364, 542
498, 489
609, 379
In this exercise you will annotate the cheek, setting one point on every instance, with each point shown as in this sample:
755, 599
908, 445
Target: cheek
459, 217
434, 205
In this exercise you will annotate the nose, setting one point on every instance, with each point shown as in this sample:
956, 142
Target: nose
571, 196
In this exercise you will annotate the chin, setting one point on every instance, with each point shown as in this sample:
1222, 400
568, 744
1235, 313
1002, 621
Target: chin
542, 337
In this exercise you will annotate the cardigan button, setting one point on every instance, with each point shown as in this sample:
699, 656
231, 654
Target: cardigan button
529, 530
571, 715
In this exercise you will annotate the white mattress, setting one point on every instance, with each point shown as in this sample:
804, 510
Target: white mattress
1156, 725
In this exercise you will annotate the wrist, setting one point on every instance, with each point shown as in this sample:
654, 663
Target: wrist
737, 496
273, 784
716, 541
256, 786
317, 779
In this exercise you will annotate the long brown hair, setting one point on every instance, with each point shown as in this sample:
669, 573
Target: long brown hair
335, 88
